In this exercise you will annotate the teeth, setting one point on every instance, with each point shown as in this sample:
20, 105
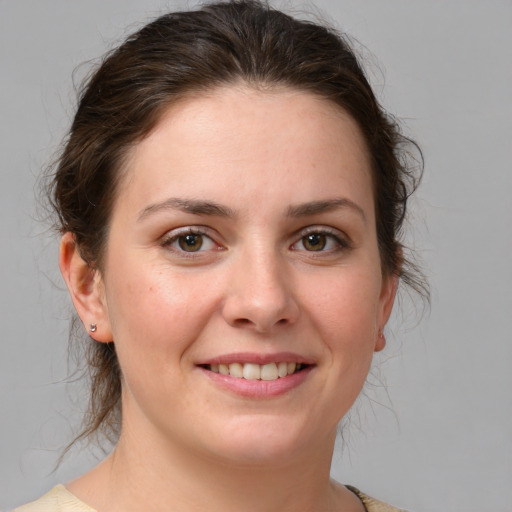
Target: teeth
251, 371
236, 370
282, 369
269, 372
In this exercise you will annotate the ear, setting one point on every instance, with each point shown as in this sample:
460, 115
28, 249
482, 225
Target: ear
85, 286
386, 301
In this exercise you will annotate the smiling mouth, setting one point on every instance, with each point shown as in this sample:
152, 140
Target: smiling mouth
251, 371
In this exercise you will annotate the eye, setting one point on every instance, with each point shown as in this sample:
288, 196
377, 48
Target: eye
320, 241
314, 242
190, 241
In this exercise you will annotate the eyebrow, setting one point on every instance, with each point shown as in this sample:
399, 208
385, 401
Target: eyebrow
193, 206
328, 205
210, 208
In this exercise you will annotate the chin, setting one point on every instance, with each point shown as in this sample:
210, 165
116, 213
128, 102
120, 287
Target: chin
263, 442
260, 455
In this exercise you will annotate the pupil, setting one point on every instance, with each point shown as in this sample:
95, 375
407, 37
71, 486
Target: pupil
191, 242
314, 242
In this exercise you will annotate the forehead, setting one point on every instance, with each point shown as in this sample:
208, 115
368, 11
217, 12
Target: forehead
245, 111
262, 140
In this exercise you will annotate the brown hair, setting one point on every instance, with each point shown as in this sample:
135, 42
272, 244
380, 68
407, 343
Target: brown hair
188, 52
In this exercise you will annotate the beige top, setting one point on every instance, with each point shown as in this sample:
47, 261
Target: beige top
59, 499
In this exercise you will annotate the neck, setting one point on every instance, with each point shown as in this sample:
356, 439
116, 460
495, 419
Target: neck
142, 475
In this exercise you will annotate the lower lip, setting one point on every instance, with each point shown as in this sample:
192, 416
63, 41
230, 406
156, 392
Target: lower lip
259, 388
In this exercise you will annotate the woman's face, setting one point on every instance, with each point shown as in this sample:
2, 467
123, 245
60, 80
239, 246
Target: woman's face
243, 244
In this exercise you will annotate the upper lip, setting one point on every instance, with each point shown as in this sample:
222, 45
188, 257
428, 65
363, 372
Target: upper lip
257, 358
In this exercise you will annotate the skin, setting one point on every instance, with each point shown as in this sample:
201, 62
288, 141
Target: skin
254, 286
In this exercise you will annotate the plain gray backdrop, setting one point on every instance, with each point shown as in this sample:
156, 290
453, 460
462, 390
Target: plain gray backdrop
438, 435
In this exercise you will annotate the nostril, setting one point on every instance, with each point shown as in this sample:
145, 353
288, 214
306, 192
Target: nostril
243, 321
259, 326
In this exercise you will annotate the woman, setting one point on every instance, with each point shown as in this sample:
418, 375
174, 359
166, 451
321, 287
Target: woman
231, 197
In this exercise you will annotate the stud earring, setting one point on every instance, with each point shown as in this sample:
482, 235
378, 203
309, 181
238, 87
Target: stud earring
93, 328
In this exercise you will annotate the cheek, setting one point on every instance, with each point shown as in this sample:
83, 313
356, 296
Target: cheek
156, 317
345, 313
348, 300
153, 313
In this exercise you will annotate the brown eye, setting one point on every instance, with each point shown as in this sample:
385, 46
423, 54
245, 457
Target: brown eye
191, 242
314, 242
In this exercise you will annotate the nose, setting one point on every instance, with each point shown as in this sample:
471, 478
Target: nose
260, 294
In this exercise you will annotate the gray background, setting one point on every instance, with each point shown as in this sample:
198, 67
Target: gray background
438, 435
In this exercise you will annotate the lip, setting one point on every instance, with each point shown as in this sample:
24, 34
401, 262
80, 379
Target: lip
257, 389
257, 358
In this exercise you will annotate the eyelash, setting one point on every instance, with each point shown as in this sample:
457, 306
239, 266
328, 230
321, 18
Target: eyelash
332, 235
172, 238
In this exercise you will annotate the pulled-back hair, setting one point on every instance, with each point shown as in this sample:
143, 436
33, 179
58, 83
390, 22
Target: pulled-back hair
185, 53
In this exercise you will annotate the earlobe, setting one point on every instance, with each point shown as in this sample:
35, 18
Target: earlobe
387, 299
86, 289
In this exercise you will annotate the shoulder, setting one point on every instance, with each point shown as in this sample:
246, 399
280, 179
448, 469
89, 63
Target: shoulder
59, 499
371, 504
